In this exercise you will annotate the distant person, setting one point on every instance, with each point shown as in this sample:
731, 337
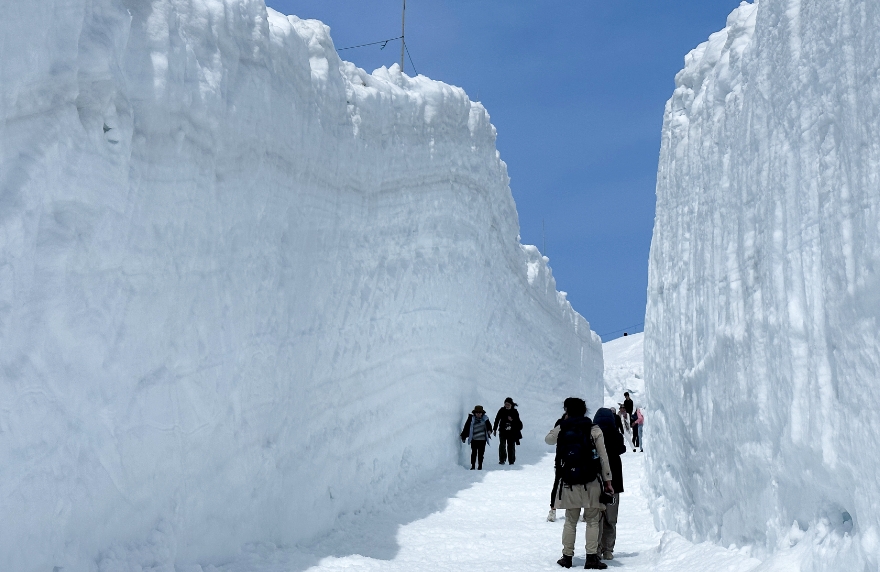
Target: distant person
634, 424
580, 451
511, 431
617, 421
615, 446
551, 516
477, 430
628, 405
637, 428
624, 420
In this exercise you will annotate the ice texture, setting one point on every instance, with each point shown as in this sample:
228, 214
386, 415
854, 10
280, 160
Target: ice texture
245, 286
762, 337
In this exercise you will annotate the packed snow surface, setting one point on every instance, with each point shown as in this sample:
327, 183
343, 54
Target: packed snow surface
498, 522
245, 287
762, 337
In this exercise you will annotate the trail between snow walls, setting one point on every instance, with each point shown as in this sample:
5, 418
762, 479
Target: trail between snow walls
246, 288
497, 522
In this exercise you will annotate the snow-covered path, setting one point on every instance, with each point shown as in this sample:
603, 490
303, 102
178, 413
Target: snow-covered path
498, 523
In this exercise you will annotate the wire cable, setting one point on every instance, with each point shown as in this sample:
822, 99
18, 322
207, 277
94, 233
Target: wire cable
405, 47
383, 42
626, 329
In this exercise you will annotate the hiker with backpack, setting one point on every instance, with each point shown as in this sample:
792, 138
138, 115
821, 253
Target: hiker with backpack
615, 446
477, 430
584, 479
511, 431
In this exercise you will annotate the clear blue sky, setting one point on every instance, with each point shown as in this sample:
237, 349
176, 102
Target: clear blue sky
576, 90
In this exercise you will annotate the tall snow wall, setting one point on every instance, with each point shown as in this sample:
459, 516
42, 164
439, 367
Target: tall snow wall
762, 340
244, 285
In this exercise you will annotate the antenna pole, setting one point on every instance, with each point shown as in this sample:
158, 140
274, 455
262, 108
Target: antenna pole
402, 35
543, 239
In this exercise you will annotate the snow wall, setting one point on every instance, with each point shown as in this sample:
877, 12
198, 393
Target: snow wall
762, 338
244, 286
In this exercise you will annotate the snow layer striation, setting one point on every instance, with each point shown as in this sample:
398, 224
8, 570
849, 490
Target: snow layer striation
762, 341
244, 285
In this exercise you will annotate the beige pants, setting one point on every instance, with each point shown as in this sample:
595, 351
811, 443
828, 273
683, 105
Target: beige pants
569, 531
608, 526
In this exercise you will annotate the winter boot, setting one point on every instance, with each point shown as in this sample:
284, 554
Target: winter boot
472, 467
593, 563
607, 555
565, 561
551, 516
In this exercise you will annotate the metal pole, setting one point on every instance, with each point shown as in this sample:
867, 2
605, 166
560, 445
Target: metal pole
543, 239
402, 35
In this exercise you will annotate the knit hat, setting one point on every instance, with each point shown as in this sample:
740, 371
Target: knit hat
479, 409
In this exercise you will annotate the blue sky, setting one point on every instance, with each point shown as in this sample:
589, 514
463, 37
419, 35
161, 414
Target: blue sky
576, 90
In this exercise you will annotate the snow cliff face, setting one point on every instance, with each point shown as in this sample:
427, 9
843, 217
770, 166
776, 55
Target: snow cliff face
762, 342
244, 286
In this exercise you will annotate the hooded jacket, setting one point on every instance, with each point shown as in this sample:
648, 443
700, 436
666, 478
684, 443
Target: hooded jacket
614, 445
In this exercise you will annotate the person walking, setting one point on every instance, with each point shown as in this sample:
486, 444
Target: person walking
634, 425
624, 422
615, 446
617, 422
581, 455
637, 428
511, 431
477, 431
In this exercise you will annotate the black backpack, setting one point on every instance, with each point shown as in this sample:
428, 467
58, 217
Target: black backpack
576, 454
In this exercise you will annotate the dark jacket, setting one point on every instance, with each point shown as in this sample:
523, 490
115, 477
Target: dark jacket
619, 423
614, 445
466, 433
628, 405
515, 423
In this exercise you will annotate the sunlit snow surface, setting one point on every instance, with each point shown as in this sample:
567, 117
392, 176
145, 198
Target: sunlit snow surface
500, 522
245, 287
762, 338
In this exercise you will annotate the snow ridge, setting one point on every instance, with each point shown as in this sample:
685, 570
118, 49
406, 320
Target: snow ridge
234, 269
762, 350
